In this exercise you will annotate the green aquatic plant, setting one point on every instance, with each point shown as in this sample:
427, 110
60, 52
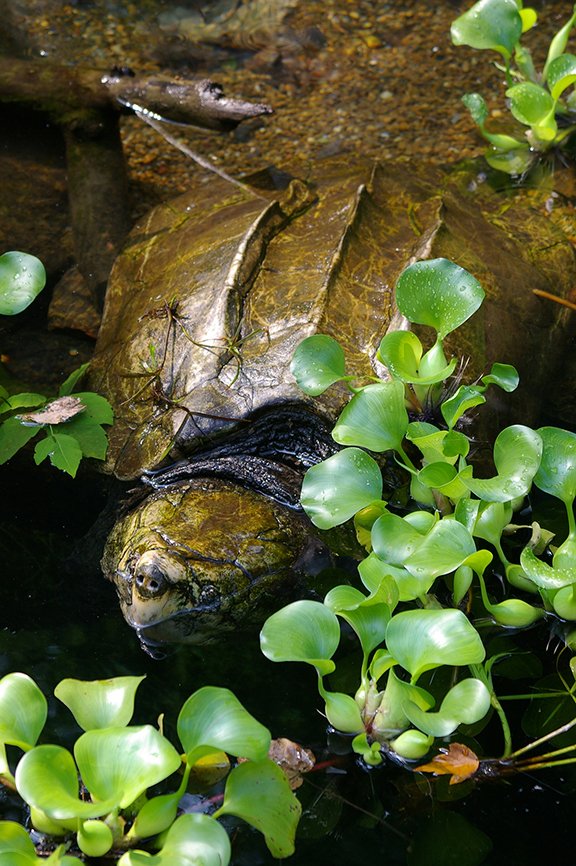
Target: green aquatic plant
22, 278
431, 576
70, 425
97, 794
538, 100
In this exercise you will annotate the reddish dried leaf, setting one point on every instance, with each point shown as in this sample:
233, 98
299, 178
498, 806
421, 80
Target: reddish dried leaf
55, 412
457, 760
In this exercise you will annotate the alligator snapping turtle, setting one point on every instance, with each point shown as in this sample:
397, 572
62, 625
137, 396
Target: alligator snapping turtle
205, 306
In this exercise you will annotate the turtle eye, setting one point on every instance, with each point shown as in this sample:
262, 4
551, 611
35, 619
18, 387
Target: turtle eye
149, 580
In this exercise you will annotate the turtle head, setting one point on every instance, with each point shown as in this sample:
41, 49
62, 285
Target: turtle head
205, 556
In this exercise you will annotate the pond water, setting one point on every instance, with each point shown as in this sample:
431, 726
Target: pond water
59, 618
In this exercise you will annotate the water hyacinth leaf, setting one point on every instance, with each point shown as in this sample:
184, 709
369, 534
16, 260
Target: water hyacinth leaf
99, 703
544, 575
438, 293
491, 519
367, 615
373, 571
64, 452
465, 398
156, 815
533, 106
94, 838
421, 640
556, 473
401, 352
214, 720
335, 489
558, 44
119, 764
478, 109
394, 538
317, 363
462, 582
375, 418
447, 546
304, 631
514, 161
412, 745
466, 703
47, 779
489, 24
192, 839
259, 793
23, 711
517, 455
529, 18
342, 712
504, 375
13, 436
561, 74
13, 837
22, 278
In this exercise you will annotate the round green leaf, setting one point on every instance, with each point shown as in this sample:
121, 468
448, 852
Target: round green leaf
394, 538
556, 474
343, 712
533, 106
517, 455
367, 615
375, 418
466, 703
213, 719
99, 703
504, 375
156, 815
561, 74
47, 779
317, 363
447, 546
421, 640
13, 837
23, 711
94, 838
335, 489
438, 293
22, 278
259, 793
191, 840
304, 631
491, 24
118, 764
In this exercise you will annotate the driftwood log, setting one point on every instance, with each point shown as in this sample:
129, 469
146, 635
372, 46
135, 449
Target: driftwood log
87, 104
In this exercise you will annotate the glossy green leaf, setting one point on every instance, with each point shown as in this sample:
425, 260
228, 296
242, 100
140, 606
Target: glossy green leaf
447, 546
119, 764
439, 293
22, 278
64, 452
99, 703
558, 44
466, 703
517, 454
94, 838
156, 815
401, 352
478, 109
424, 639
13, 837
304, 631
213, 720
533, 106
47, 779
394, 538
515, 162
13, 436
259, 793
335, 489
411, 744
375, 418
544, 575
317, 363
465, 398
556, 473
23, 710
343, 712
192, 840
491, 518
529, 18
373, 571
505, 376
367, 615
68, 385
489, 24
98, 409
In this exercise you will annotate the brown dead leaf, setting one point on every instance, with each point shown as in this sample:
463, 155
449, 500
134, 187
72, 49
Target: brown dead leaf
292, 758
55, 412
457, 760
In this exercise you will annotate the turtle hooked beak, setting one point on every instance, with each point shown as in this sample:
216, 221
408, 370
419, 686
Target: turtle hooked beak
145, 587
